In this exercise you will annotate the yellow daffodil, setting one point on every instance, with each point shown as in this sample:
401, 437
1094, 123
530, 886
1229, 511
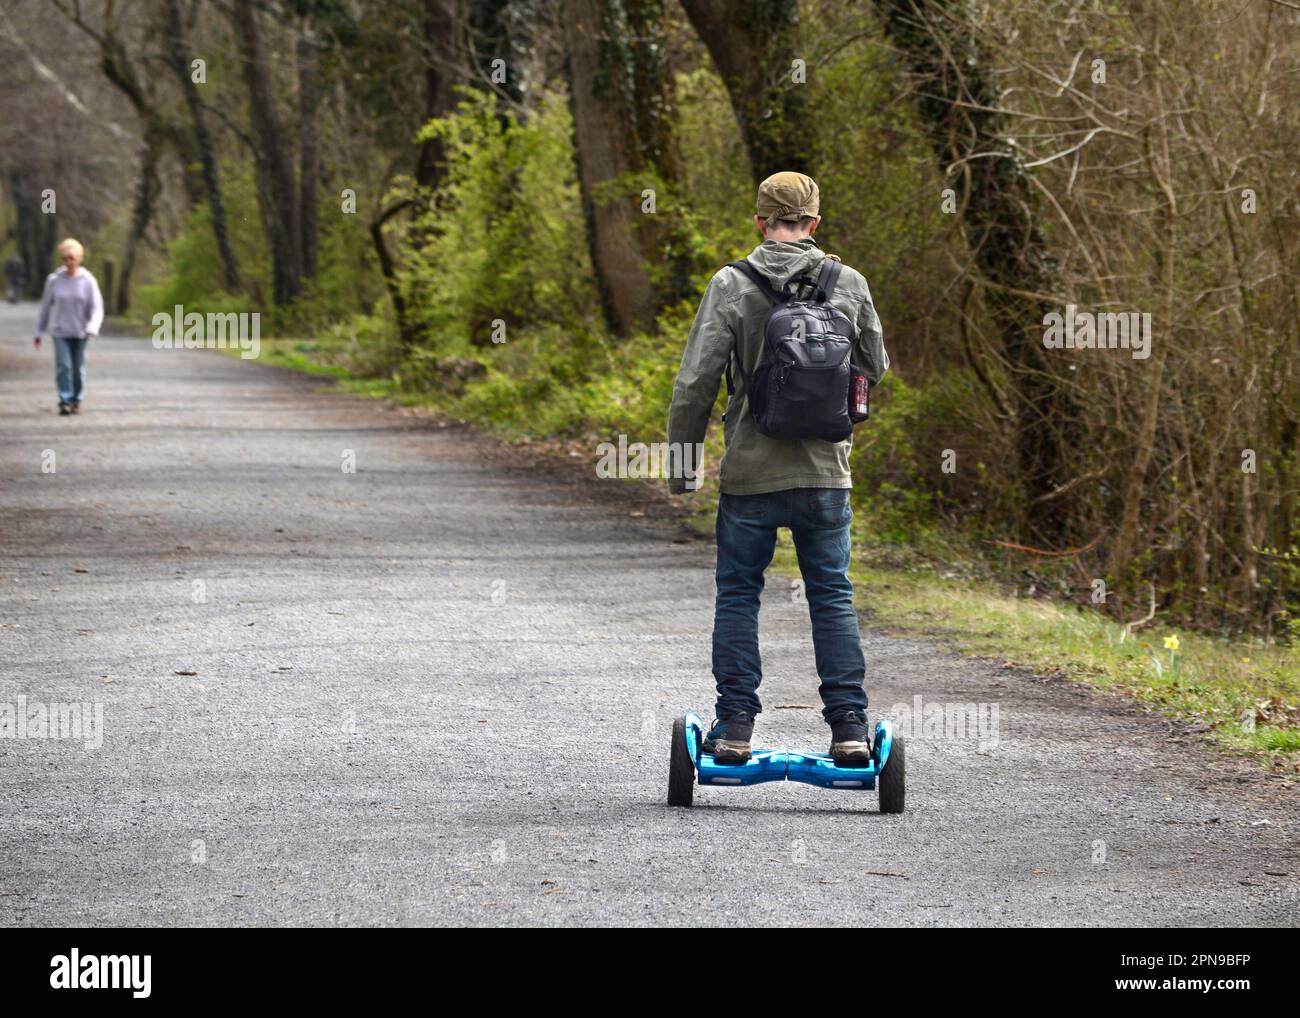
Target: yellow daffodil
1171, 643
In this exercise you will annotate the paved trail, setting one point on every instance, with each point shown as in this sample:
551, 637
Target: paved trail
438, 690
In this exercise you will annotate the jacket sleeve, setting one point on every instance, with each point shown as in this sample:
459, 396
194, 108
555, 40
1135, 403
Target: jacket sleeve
43, 315
96, 309
869, 352
708, 348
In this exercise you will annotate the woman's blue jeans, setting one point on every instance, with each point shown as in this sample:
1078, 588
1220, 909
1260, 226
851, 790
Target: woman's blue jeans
819, 520
70, 367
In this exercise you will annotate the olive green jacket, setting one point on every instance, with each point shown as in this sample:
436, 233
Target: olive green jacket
734, 308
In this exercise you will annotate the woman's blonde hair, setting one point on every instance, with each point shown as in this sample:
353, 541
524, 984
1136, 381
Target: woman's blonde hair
72, 245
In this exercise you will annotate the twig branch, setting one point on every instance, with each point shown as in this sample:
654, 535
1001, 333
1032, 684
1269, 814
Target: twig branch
1068, 553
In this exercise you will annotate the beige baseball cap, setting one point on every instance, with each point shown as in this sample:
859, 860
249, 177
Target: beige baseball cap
788, 195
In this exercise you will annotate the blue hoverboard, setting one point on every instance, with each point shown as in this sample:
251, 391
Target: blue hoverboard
886, 773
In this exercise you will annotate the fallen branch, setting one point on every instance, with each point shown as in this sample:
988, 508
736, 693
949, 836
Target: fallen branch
1048, 554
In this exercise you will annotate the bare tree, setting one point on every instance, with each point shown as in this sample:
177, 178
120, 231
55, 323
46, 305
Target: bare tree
158, 129
277, 189
179, 59
957, 98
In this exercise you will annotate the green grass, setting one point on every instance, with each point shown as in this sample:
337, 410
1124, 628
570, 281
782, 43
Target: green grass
298, 355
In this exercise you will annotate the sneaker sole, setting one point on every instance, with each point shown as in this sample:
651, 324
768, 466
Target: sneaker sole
851, 754
730, 752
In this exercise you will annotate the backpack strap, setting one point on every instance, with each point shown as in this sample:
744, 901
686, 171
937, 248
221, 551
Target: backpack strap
823, 286
759, 280
731, 382
827, 278
745, 267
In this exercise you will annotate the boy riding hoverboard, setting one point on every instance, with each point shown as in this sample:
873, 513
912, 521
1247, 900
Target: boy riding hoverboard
783, 318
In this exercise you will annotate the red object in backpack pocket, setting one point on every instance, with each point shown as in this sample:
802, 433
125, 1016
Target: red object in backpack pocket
859, 398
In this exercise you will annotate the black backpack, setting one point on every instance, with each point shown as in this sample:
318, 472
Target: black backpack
800, 388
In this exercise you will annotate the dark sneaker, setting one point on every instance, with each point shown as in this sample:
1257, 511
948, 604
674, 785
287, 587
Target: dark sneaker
728, 741
850, 743
64, 410
75, 407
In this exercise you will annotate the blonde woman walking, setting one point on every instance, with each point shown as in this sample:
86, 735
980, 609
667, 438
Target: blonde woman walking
72, 310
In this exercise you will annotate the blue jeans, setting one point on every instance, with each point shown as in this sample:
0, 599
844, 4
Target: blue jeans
70, 367
819, 520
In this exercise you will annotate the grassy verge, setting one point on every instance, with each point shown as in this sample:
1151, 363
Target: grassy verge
1240, 694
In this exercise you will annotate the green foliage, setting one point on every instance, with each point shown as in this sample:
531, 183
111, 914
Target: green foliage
347, 283
717, 194
191, 274
880, 196
347, 280
504, 236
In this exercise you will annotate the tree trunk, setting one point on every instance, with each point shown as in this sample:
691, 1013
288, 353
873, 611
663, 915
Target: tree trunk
613, 148
443, 25
442, 22
277, 191
491, 38
957, 96
34, 233
1124, 547
309, 95
179, 57
148, 187
107, 277
405, 327
753, 44
122, 70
